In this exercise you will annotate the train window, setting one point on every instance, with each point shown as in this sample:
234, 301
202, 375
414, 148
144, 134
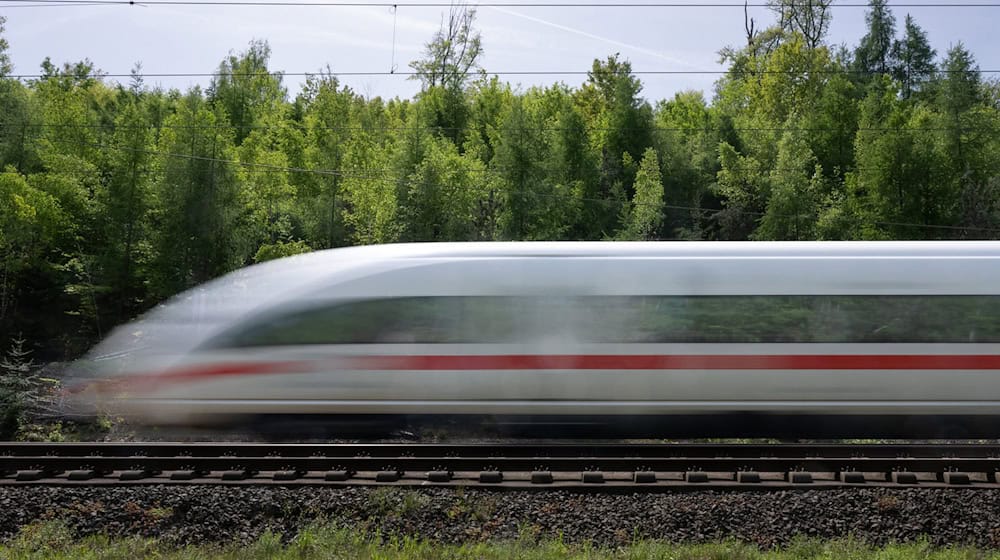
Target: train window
382, 321
815, 319
630, 319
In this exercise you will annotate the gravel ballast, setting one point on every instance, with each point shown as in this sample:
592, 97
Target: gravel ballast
205, 514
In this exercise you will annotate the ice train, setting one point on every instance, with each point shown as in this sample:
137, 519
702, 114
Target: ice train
706, 339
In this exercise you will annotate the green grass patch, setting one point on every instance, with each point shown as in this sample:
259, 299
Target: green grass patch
54, 541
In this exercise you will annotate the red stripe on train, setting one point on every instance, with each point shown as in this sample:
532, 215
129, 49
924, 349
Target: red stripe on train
677, 361
585, 362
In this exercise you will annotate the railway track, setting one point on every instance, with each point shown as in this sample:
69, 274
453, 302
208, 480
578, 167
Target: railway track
539, 466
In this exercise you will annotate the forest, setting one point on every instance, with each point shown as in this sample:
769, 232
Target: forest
115, 196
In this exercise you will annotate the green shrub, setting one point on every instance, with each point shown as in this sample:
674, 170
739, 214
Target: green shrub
24, 396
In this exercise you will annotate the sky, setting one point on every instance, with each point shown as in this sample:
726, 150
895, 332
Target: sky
194, 39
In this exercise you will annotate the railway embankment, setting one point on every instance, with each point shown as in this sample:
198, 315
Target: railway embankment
194, 514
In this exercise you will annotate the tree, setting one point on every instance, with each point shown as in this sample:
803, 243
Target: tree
915, 58
444, 191
796, 180
245, 88
18, 126
688, 133
958, 92
370, 204
200, 212
644, 216
902, 180
980, 208
6, 67
811, 18
265, 179
742, 186
570, 170
489, 101
517, 163
959, 89
31, 222
620, 123
123, 202
452, 54
329, 119
874, 53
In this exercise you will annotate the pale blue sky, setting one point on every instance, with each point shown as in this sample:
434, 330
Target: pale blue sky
175, 39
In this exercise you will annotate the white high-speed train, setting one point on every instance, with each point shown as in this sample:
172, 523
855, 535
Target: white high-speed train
697, 339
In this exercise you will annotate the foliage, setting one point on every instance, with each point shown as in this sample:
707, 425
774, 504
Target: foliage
23, 393
5, 65
874, 54
116, 196
915, 58
280, 250
644, 214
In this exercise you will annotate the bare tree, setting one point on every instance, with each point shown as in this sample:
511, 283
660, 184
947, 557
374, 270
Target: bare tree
811, 18
453, 52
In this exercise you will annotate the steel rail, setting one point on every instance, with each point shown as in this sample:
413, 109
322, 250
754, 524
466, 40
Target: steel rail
504, 465
209, 449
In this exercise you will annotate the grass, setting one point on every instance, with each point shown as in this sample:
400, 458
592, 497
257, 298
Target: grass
55, 541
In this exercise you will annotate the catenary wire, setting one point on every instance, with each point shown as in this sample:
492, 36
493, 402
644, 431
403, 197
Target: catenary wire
613, 5
280, 73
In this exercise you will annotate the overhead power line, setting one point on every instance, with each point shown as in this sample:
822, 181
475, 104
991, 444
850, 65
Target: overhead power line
48, 5
613, 5
279, 73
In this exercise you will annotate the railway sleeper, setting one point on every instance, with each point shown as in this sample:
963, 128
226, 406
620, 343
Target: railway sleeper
592, 477
439, 476
490, 477
136, 474
748, 477
84, 474
33, 474
287, 475
388, 476
238, 474
903, 477
799, 477
644, 477
337, 475
696, 477
188, 474
541, 477
956, 478
851, 477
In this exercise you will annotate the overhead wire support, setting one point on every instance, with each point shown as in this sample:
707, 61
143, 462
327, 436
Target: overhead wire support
392, 62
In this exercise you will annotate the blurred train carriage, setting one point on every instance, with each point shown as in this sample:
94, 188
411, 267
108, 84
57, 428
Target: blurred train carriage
673, 339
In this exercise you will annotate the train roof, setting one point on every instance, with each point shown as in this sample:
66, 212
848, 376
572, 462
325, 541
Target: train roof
286, 275
713, 268
684, 248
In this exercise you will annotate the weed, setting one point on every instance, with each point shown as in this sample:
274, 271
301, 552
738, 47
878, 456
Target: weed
397, 502
413, 502
887, 503
55, 541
